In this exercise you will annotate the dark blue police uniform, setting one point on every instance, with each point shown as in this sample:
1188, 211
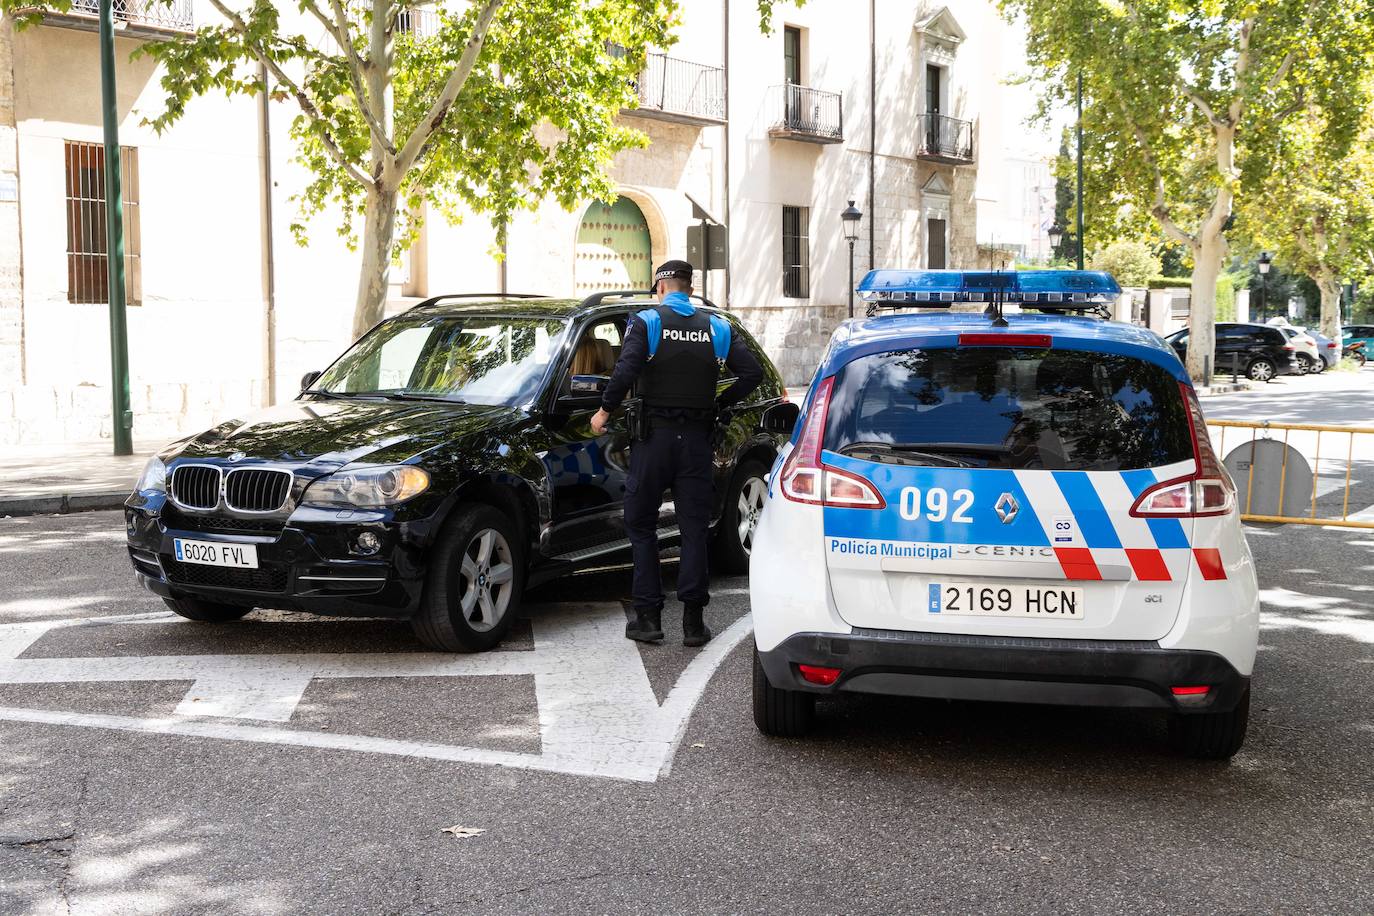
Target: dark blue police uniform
674, 351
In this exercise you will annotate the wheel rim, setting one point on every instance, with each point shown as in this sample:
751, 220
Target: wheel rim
751, 497
1261, 372
488, 580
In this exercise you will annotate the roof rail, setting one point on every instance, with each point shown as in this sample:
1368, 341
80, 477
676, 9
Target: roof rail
598, 298
1039, 290
434, 299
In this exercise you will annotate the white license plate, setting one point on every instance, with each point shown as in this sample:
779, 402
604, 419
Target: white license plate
976, 599
216, 553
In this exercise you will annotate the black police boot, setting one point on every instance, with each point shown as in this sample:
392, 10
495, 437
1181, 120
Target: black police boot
695, 632
647, 625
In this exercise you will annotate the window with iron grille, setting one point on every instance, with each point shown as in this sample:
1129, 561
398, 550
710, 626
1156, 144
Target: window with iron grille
88, 278
796, 253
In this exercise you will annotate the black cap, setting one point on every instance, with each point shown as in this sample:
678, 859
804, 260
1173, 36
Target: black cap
673, 270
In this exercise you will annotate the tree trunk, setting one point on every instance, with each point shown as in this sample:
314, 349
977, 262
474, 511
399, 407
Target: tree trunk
374, 281
1207, 259
1330, 286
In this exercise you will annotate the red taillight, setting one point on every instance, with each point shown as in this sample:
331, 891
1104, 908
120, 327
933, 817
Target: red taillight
1331, 345
805, 480
1207, 491
815, 674
1039, 341
1288, 347
1198, 691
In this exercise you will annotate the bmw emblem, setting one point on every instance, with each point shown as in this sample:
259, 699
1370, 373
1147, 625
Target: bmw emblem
1007, 507
237, 456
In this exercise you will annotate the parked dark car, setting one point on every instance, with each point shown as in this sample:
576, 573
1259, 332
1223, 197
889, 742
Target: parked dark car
1257, 351
437, 468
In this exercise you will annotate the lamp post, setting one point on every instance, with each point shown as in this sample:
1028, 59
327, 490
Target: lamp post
849, 220
1056, 235
1265, 259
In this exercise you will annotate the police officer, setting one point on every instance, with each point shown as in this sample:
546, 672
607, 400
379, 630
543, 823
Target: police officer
674, 352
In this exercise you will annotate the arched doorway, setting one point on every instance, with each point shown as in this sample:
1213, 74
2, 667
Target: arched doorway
614, 248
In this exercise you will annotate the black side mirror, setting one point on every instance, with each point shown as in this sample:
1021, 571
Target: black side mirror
586, 386
781, 418
309, 379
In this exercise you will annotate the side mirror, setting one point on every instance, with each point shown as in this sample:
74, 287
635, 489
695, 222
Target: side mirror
587, 386
309, 379
781, 418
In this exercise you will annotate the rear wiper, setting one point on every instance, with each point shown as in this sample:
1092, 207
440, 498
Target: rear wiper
903, 450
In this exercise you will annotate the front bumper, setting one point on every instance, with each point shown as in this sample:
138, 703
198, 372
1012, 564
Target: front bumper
307, 565
1067, 672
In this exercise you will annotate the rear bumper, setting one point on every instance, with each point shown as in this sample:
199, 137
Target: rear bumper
1056, 671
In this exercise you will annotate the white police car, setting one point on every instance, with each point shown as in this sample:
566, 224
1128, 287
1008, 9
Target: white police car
1024, 510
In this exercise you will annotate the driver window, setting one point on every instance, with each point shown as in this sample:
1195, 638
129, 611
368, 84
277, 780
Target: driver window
597, 350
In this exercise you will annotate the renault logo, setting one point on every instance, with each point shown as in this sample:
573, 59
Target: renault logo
1007, 507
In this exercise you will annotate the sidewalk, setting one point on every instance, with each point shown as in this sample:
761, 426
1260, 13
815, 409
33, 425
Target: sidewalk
36, 480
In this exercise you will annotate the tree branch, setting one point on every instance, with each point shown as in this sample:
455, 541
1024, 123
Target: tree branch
459, 75
355, 65
307, 106
1205, 109
1160, 211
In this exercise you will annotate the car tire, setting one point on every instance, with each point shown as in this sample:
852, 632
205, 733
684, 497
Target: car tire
1305, 365
1261, 370
781, 713
1211, 736
459, 612
740, 518
204, 611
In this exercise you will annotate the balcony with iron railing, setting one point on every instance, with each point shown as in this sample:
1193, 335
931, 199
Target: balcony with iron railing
132, 18
944, 139
806, 114
681, 91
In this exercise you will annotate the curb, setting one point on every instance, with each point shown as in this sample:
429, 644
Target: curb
61, 505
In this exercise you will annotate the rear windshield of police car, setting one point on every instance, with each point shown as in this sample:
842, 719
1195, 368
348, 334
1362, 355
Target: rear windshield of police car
1012, 408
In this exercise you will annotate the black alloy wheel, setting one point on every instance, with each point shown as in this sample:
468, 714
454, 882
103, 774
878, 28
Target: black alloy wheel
1261, 370
473, 592
740, 518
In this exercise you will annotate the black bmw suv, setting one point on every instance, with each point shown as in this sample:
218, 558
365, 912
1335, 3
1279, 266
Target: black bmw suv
436, 469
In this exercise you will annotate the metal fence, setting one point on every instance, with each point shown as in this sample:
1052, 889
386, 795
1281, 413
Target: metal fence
176, 15
1299, 473
810, 111
946, 138
682, 87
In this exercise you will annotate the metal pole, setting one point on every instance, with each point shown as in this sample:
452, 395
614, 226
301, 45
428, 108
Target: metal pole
872, 135
851, 278
269, 258
1080, 171
122, 415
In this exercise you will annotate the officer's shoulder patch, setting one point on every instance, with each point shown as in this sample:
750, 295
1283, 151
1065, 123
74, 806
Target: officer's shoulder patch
720, 336
653, 328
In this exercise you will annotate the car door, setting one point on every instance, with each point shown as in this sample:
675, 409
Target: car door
587, 472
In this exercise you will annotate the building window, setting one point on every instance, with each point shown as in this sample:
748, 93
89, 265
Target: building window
88, 279
796, 253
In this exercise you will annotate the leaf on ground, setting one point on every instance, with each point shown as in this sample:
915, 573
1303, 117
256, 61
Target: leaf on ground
459, 830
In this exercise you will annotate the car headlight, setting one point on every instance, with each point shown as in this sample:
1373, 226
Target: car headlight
154, 476
367, 487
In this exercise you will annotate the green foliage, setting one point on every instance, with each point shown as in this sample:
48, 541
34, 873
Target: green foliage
1169, 282
1132, 263
1065, 211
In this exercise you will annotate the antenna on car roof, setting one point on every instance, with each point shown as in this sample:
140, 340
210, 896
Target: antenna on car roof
997, 297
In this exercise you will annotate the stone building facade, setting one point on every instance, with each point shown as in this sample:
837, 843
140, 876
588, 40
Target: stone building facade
768, 134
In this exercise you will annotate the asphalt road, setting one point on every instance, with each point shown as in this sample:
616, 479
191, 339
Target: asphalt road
892, 806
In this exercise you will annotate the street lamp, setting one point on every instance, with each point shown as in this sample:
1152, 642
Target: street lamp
1265, 259
1056, 235
849, 219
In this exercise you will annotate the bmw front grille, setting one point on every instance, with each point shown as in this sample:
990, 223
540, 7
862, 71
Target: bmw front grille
256, 489
196, 486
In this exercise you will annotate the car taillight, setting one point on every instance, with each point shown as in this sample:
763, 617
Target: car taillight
1331, 345
1207, 491
805, 480
1288, 347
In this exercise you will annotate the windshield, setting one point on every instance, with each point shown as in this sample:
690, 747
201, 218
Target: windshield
457, 358
1003, 407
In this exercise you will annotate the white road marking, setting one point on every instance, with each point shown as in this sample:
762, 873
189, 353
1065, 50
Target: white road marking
598, 715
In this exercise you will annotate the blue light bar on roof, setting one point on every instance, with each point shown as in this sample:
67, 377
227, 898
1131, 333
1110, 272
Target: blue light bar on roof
1042, 289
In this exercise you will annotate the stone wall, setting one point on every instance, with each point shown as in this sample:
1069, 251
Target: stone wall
11, 274
33, 414
794, 337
